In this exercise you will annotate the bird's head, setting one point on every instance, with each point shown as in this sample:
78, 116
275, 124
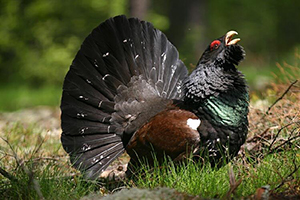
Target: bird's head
223, 52
216, 73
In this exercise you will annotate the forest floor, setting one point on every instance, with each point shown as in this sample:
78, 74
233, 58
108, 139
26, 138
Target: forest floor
33, 163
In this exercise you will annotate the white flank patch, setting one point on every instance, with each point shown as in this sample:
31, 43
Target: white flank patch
193, 123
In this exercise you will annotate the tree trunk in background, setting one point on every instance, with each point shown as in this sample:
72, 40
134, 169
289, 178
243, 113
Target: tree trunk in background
192, 13
198, 18
139, 8
178, 16
187, 31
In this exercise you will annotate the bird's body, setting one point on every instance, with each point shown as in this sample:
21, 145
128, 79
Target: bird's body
127, 90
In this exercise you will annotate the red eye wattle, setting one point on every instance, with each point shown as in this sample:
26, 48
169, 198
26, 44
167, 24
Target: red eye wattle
215, 44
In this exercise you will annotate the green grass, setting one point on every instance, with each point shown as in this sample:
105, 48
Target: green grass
51, 183
15, 97
37, 163
196, 179
191, 178
270, 171
38, 167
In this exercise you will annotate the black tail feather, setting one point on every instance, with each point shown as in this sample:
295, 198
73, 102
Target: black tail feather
81, 110
75, 126
94, 170
82, 92
88, 142
94, 161
124, 68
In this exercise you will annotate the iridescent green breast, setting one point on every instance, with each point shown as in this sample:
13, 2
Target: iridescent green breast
227, 110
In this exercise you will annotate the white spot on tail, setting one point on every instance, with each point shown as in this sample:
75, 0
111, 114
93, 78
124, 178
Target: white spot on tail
106, 75
193, 123
100, 103
106, 54
85, 147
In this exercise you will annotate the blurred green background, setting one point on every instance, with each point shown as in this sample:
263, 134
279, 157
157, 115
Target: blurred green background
39, 38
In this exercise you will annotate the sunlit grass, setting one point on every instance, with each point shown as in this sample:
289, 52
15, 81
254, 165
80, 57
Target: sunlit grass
26, 154
36, 162
205, 181
17, 96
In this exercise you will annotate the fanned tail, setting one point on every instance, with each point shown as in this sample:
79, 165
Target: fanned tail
124, 68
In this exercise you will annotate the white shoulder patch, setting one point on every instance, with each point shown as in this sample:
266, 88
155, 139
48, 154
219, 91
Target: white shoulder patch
193, 123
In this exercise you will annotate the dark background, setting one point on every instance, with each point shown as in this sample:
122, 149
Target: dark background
39, 38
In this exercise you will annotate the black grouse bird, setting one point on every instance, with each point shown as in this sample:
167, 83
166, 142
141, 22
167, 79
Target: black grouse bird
127, 90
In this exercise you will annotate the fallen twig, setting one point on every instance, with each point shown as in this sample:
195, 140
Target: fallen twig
37, 148
14, 153
29, 173
7, 175
281, 97
279, 131
233, 183
288, 176
282, 144
258, 136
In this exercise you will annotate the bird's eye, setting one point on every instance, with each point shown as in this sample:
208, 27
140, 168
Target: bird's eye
215, 44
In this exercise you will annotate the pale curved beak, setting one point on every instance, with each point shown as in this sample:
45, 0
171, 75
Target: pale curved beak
229, 40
